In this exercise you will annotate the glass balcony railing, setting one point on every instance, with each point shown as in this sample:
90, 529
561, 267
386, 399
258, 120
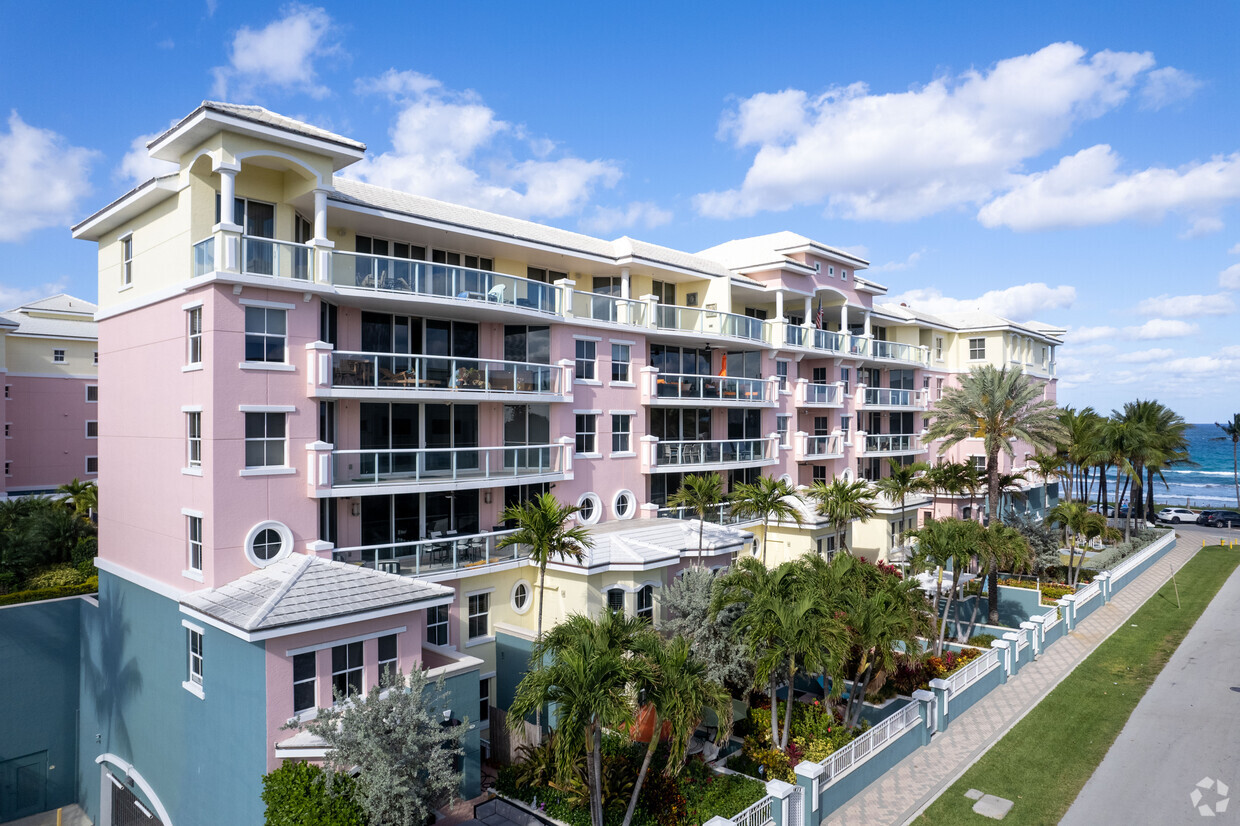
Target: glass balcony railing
266, 256
716, 452
720, 514
823, 394
353, 468
708, 322
893, 443
891, 397
408, 372
609, 308
710, 388
822, 446
204, 257
401, 275
824, 340
894, 351
435, 555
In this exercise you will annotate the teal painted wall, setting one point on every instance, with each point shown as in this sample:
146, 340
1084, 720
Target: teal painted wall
39, 691
512, 660
204, 758
462, 695
852, 784
980, 688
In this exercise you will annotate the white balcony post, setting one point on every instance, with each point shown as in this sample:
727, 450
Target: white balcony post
779, 305
566, 286
800, 443
318, 365
228, 253
801, 395
866, 323
566, 378
844, 318
622, 312
649, 453
652, 303
808, 321
649, 384
321, 248
319, 466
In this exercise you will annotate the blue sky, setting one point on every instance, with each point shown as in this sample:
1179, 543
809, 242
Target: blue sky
1074, 163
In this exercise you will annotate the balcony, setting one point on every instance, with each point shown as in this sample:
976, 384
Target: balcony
250, 255
387, 275
609, 308
707, 322
343, 374
819, 395
716, 454
720, 514
440, 558
887, 398
681, 388
812, 339
892, 444
360, 472
808, 448
894, 351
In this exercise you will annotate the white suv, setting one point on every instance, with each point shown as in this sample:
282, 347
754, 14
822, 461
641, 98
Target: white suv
1177, 515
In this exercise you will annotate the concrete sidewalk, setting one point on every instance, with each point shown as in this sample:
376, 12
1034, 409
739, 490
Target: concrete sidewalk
902, 793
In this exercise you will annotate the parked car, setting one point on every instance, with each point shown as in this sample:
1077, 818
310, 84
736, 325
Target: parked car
1224, 519
1203, 518
1105, 510
1176, 515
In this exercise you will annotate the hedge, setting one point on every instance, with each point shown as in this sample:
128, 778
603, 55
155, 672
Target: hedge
35, 595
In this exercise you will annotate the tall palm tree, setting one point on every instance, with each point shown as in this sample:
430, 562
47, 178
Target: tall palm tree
82, 497
998, 547
1010, 483
1047, 464
997, 405
1078, 520
543, 526
763, 499
1231, 432
904, 479
944, 543
585, 667
1170, 444
953, 478
1077, 446
1125, 441
700, 493
842, 502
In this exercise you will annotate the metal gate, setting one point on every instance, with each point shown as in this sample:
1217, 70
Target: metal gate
127, 810
796, 807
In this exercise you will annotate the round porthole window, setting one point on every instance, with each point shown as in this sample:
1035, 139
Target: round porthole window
520, 597
625, 505
268, 542
590, 509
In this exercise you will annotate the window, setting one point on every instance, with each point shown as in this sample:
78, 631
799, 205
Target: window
327, 520
8, 392
938, 348
621, 428
831, 271
543, 275
625, 505
925, 383
827, 544
193, 529
586, 439
781, 373
437, 625
844, 274
265, 330
92, 464
845, 424
645, 603
388, 662
193, 638
979, 464
92, 392
8, 468
938, 388
264, 440
193, 433
820, 473
96, 358
479, 615
58, 356
1042, 355
521, 596
484, 700
615, 601
305, 695
589, 509
193, 320
126, 261
7, 428
846, 379
621, 361
781, 428
585, 360
267, 544
346, 670
977, 348
92, 429
663, 291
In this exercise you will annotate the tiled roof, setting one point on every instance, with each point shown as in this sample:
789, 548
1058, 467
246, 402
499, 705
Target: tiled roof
60, 303
969, 320
742, 253
302, 588
658, 540
36, 325
260, 115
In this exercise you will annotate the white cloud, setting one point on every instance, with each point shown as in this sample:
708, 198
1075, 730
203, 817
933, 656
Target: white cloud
1234, 250
452, 146
1182, 306
1166, 86
896, 266
1087, 189
1082, 334
643, 214
279, 55
42, 178
1145, 356
898, 156
1229, 279
138, 166
1201, 227
1232, 351
1195, 364
166, 44
12, 297
1019, 303
1157, 328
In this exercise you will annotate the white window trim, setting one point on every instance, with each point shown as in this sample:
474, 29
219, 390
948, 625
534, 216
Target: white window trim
189, 685
307, 649
598, 508
86, 429
616, 499
263, 408
89, 400
86, 466
192, 305
282, 470
512, 598
270, 305
286, 540
269, 366
591, 338
470, 642
8, 430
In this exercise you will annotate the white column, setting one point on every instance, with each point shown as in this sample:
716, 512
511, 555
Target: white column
844, 319
867, 323
779, 306
320, 214
624, 282
809, 312
228, 193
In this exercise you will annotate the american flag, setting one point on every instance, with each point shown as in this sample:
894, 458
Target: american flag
818, 317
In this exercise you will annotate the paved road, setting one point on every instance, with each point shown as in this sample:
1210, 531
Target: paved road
1184, 730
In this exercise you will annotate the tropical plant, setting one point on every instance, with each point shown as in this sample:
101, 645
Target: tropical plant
762, 499
996, 405
394, 740
1009, 483
81, 497
1079, 520
999, 547
542, 526
952, 478
700, 493
942, 544
687, 601
1169, 447
1125, 440
904, 479
1047, 465
1231, 433
1077, 446
1042, 541
302, 794
842, 502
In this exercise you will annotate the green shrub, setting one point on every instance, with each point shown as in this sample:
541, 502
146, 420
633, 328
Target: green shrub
982, 640
88, 587
56, 576
710, 795
300, 794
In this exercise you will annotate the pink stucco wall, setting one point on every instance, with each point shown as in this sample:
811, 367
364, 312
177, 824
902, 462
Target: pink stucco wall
47, 444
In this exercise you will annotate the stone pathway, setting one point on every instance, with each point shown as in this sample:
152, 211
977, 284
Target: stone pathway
902, 793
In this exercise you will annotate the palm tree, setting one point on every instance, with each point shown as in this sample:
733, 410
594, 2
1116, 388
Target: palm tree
1077, 446
1124, 441
677, 691
995, 404
1170, 443
842, 502
700, 493
542, 526
953, 478
904, 479
1047, 464
998, 547
82, 497
1078, 520
943, 543
763, 499
585, 667
1010, 483
1231, 432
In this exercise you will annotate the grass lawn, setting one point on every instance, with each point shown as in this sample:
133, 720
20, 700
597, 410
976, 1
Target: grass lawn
1044, 761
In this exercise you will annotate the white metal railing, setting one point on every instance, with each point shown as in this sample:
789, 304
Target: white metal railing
713, 452
402, 275
720, 514
892, 443
437, 465
820, 446
1093, 589
813, 338
839, 762
894, 351
439, 553
204, 257
892, 397
413, 372
698, 320
609, 308
758, 814
972, 671
282, 259
691, 387
823, 394
1140, 556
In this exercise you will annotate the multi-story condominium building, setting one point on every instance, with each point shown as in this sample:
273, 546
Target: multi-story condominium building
50, 359
321, 395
